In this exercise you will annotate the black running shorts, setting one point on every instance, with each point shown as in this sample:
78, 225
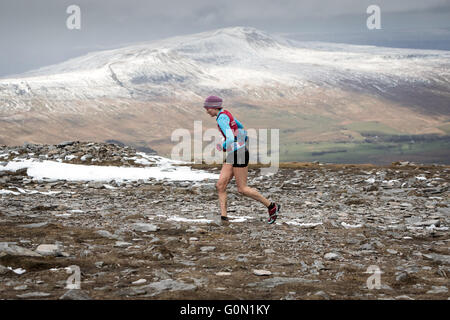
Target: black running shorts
238, 158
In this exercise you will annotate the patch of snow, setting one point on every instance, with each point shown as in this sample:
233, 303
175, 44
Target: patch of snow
77, 172
180, 219
239, 218
302, 224
18, 270
9, 192
70, 157
22, 191
349, 226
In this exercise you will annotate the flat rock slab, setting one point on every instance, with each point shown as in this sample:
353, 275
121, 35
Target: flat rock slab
33, 295
15, 250
107, 234
49, 250
262, 272
145, 227
156, 288
441, 258
427, 223
140, 281
122, 244
34, 225
276, 281
75, 294
168, 285
332, 256
437, 290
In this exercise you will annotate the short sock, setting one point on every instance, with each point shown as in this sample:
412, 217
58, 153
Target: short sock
270, 207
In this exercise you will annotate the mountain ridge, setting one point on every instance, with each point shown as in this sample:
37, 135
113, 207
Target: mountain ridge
310, 89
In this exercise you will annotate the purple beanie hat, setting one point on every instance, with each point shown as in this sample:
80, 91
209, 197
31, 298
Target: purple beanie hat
213, 102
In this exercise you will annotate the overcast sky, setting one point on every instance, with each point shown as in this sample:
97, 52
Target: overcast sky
34, 33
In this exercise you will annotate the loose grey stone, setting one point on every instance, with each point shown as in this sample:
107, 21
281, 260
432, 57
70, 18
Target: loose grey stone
33, 295
4, 270
145, 227
262, 272
402, 276
241, 258
441, 258
107, 234
366, 246
15, 250
34, 225
437, 290
156, 288
276, 281
75, 294
49, 250
319, 265
428, 223
322, 294
65, 143
122, 244
332, 256
140, 281
21, 288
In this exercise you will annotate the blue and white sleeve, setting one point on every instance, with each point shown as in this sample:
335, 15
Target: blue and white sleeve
224, 123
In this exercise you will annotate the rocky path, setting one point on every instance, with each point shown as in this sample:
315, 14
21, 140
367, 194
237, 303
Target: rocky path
160, 239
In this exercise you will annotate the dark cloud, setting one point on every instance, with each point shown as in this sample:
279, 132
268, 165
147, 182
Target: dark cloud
34, 33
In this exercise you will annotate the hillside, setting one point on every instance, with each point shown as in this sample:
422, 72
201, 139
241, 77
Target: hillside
311, 91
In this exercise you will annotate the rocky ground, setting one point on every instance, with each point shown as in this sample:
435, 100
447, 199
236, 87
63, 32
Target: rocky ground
161, 239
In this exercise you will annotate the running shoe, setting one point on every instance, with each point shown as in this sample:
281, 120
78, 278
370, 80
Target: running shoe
273, 213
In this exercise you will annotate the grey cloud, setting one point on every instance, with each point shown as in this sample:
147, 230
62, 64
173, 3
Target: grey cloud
33, 33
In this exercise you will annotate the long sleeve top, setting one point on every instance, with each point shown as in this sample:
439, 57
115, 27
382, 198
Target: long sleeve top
230, 143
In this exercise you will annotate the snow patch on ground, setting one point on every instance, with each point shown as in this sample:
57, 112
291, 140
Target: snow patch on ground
180, 219
301, 224
75, 172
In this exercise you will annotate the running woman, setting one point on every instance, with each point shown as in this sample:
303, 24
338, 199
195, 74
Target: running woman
236, 164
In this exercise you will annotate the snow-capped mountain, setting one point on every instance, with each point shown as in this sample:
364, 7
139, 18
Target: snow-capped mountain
312, 90
240, 61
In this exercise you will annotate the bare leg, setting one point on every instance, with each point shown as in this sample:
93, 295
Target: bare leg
241, 180
226, 174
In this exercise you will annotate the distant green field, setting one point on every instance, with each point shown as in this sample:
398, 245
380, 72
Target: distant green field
375, 143
371, 127
376, 153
